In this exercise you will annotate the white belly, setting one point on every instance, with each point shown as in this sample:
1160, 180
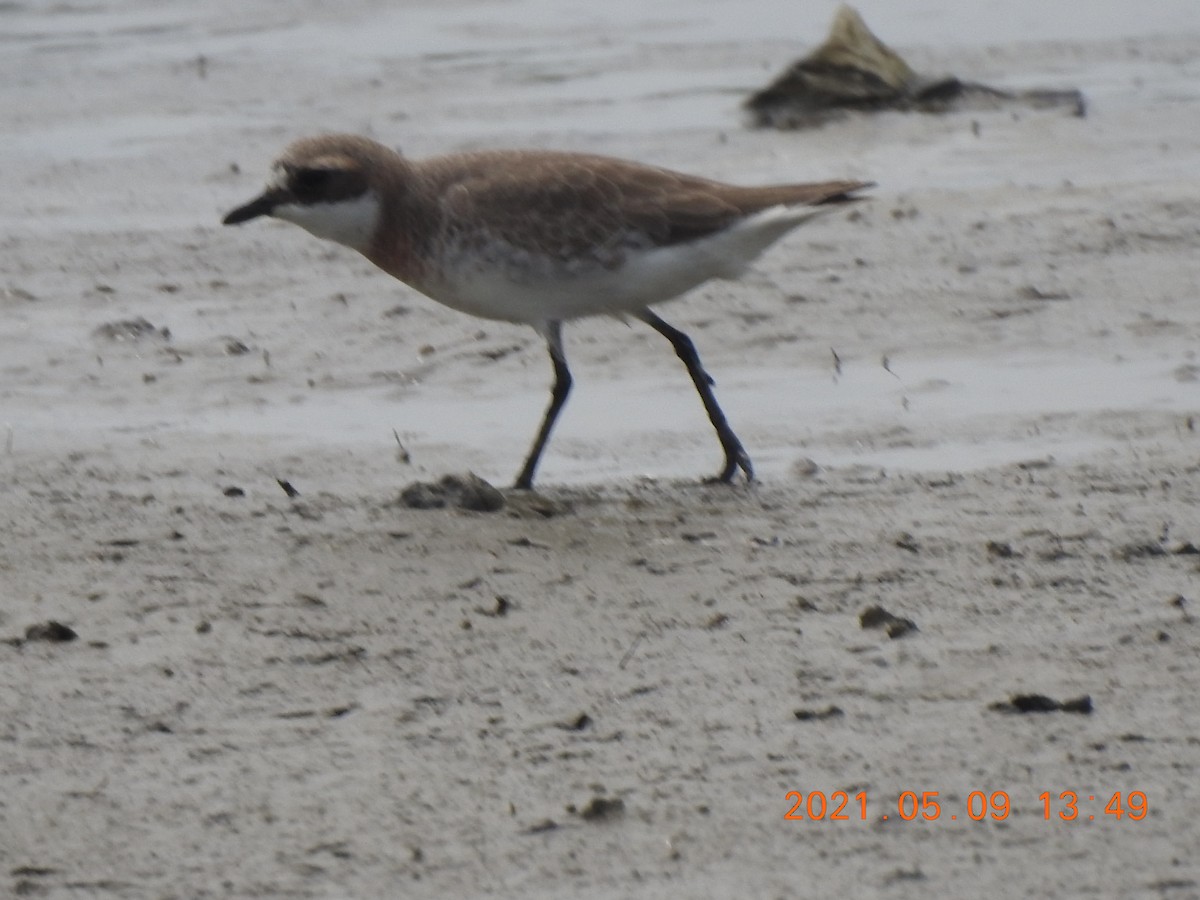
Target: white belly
514, 285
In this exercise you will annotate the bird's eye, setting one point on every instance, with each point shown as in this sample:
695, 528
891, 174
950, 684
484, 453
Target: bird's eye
308, 181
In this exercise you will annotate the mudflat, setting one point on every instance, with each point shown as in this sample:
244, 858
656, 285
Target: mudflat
972, 404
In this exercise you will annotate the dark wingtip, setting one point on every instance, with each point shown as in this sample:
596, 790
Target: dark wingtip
262, 205
848, 193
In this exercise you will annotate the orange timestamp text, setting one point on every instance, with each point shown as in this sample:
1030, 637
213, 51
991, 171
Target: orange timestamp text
1066, 806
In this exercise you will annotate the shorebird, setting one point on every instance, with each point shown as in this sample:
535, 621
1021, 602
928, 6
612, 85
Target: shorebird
540, 238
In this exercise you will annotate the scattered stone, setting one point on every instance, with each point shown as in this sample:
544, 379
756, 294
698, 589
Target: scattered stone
1001, 550
1040, 703
581, 722
528, 543
878, 617
1145, 550
131, 330
287, 487
817, 715
53, 632
423, 495
1033, 292
500, 610
1031, 465
469, 492
901, 875
855, 71
601, 808
234, 491
497, 353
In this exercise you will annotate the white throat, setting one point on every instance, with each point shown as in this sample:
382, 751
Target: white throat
351, 223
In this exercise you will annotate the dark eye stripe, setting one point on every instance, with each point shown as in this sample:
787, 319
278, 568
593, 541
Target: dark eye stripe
324, 184
311, 179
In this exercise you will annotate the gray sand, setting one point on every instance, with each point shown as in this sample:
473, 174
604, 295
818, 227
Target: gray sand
325, 696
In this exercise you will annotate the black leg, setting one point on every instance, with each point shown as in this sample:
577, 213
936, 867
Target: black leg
558, 397
735, 453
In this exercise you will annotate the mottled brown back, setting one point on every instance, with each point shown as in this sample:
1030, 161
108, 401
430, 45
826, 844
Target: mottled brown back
569, 203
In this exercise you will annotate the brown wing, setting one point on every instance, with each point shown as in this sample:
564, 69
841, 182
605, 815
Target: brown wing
567, 204
709, 206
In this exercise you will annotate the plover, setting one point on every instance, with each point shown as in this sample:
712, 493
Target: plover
540, 238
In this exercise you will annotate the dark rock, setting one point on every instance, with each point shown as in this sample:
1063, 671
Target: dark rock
53, 632
469, 492
878, 617
1040, 703
601, 808
816, 715
854, 70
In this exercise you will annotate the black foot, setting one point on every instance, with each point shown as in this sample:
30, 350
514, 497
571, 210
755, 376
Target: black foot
735, 458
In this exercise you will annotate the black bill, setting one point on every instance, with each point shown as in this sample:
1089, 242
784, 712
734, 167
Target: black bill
262, 205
